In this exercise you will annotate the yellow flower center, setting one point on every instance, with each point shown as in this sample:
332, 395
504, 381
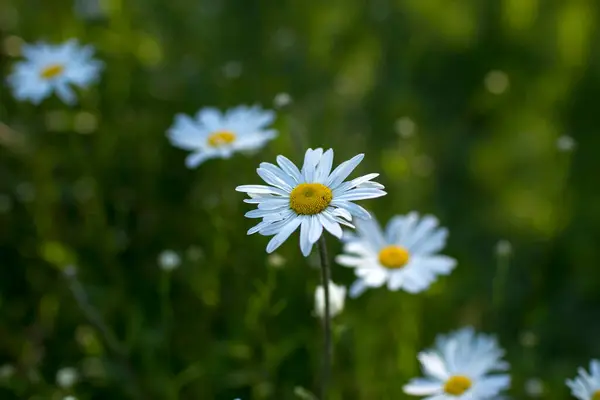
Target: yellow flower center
52, 71
457, 385
220, 138
394, 257
310, 198
596, 395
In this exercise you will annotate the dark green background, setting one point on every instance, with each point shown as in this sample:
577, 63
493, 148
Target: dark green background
98, 185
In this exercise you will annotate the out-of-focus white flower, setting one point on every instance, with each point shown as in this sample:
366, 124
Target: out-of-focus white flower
337, 296
282, 100
565, 143
69, 398
312, 199
54, 68
404, 256
66, 377
276, 260
212, 134
168, 260
534, 387
459, 368
496, 82
503, 248
405, 127
586, 386
7, 371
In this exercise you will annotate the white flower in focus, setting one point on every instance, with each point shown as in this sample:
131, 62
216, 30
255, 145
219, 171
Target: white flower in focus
54, 68
337, 296
312, 199
212, 134
168, 260
404, 256
66, 377
586, 386
459, 368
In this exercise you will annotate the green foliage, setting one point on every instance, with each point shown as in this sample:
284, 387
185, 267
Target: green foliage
459, 104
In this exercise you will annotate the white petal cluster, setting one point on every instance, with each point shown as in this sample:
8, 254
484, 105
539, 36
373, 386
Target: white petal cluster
212, 134
466, 357
337, 298
56, 69
420, 237
275, 201
586, 386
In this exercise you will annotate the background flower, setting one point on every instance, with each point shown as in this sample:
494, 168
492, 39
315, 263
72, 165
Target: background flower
405, 256
337, 297
212, 134
54, 68
461, 367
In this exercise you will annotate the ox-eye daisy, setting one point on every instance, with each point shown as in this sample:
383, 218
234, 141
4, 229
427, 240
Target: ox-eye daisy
459, 367
404, 255
212, 134
312, 198
54, 68
587, 385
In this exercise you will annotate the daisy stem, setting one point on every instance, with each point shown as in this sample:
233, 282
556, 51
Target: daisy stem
328, 348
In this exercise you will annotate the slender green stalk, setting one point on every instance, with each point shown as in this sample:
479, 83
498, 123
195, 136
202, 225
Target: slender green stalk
327, 344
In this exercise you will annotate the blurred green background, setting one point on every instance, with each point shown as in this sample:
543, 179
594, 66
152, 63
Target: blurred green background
483, 113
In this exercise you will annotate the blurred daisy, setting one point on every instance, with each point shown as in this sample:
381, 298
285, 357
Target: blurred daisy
459, 368
54, 68
168, 260
587, 385
337, 297
212, 134
404, 256
312, 198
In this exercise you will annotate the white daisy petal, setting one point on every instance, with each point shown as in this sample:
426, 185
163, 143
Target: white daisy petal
316, 229
260, 189
283, 234
273, 179
357, 288
433, 366
352, 208
330, 225
422, 387
289, 168
343, 170
305, 243
324, 167
195, 159
361, 194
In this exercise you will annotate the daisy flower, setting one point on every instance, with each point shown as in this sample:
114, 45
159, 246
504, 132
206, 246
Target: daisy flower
337, 297
54, 68
458, 368
587, 385
312, 198
404, 256
212, 134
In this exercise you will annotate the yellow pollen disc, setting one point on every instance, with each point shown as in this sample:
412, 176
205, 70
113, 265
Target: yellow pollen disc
52, 71
310, 198
596, 395
457, 385
394, 257
220, 138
